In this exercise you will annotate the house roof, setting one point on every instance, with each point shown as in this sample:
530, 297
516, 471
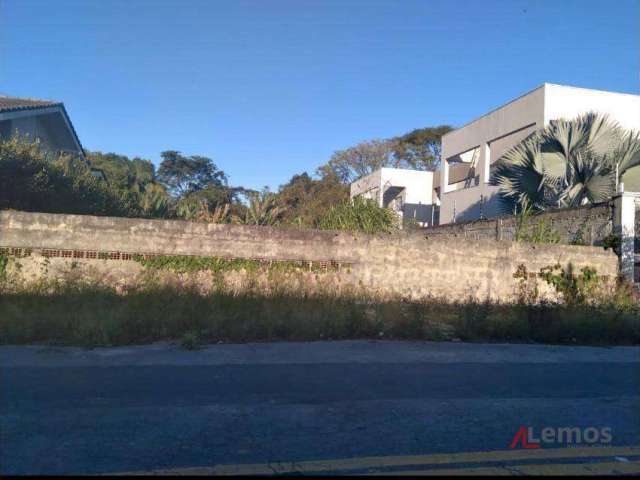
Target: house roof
15, 104
11, 104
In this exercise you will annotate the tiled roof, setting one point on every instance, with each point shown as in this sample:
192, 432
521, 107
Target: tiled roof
11, 104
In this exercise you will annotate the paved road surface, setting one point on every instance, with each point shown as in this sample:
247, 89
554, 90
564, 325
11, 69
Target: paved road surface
157, 407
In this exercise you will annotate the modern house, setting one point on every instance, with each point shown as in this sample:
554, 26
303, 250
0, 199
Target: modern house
409, 193
469, 151
44, 120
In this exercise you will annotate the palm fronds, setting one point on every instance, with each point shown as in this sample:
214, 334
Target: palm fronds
568, 163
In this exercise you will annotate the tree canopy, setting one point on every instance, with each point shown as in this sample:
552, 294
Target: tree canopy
122, 171
135, 179
307, 199
360, 160
183, 175
419, 149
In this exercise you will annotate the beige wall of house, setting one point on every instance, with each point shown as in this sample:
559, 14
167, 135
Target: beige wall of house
478, 144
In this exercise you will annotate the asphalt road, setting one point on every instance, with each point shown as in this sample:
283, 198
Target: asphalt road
159, 407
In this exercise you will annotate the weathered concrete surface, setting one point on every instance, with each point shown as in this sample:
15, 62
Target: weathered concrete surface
588, 224
408, 265
154, 407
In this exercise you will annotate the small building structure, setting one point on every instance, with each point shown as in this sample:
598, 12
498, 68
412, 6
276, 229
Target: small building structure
409, 193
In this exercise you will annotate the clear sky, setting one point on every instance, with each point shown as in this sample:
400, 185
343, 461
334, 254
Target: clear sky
270, 88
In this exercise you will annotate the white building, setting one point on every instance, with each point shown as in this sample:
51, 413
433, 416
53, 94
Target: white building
469, 151
409, 193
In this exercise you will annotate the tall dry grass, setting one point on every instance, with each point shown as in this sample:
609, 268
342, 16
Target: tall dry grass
89, 314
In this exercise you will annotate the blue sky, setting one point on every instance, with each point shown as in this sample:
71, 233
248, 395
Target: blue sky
270, 88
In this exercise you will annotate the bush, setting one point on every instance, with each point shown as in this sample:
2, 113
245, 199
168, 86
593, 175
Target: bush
34, 180
361, 215
190, 341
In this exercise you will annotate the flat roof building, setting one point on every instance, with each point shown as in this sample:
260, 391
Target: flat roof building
469, 151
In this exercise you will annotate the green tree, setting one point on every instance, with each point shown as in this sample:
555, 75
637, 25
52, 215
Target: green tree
262, 209
135, 179
185, 175
307, 199
123, 172
420, 149
155, 201
355, 162
568, 163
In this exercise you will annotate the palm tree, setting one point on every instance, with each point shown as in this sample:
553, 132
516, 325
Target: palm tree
154, 201
263, 209
568, 163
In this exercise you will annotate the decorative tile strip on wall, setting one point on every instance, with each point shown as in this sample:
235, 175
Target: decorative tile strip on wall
326, 265
15, 251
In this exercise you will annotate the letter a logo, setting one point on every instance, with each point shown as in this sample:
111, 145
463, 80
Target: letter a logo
522, 436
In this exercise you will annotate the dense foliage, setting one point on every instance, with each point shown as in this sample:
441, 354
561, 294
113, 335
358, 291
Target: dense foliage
194, 188
359, 215
135, 179
306, 199
417, 150
33, 180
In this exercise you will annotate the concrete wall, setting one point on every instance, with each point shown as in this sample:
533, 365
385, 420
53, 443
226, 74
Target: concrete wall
412, 265
588, 225
368, 187
497, 131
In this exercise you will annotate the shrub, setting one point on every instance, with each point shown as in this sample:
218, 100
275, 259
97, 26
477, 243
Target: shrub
575, 289
34, 180
190, 341
359, 214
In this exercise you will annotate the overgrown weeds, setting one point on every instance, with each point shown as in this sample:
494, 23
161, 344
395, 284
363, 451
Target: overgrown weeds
192, 263
359, 214
91, 315
540, 231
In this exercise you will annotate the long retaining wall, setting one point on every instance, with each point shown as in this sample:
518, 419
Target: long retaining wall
413, 265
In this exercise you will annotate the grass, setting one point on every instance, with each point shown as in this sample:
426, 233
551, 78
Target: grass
92, 315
